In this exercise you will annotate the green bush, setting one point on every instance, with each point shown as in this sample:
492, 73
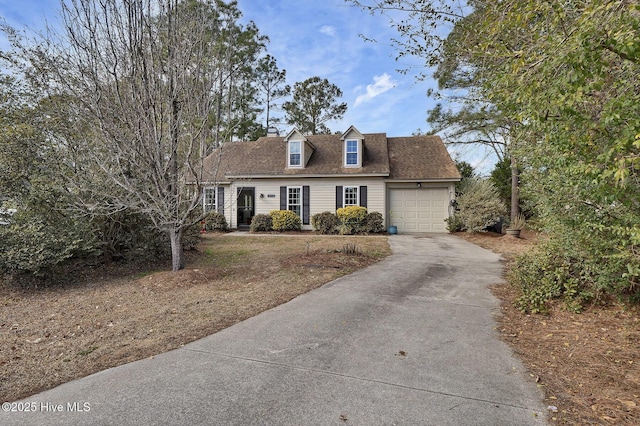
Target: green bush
325, 222
577, 266
550, 272
31, 243
454, 223
374, 223
285, 220
352, 219
127, 236
190, 237
479, 206
215, 222
261, 223
37, 242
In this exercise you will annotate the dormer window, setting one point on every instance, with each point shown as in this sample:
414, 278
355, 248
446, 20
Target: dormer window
299, 150
352, 147
295, 154
352, 153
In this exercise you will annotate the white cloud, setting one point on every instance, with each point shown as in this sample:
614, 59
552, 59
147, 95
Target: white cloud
328, 30
381, 84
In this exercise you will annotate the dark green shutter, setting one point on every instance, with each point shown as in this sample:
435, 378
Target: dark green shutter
338, 197
363, 196
220, 200
305, 205
283, 198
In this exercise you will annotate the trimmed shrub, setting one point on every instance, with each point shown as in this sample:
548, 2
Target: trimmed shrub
261, 223
215, 222
374, 223
352, 219
285, 220
325, 222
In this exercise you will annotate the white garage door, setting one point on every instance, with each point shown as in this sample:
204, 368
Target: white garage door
419, 209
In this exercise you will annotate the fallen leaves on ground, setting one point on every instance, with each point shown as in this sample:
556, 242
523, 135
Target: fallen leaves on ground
587, 364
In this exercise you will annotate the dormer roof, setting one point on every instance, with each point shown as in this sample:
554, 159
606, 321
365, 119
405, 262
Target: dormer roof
352, 133
295, 135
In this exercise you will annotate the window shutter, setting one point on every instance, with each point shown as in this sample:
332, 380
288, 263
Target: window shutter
283, 198
338, 197
305, 205
363, 196
220, 200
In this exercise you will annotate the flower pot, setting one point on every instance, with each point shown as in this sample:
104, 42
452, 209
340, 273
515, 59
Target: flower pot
392, 229
513, 232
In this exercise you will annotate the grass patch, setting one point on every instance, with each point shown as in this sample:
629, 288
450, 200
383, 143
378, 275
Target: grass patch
87, 351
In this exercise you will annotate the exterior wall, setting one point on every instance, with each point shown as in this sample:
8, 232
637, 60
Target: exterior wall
322, 195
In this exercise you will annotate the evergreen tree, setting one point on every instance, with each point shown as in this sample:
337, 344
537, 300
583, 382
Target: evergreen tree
314, 103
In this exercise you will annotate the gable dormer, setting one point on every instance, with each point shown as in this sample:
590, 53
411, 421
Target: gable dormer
352, 148
299, 150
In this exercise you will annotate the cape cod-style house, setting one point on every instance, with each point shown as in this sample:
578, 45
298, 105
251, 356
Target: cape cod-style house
410, 180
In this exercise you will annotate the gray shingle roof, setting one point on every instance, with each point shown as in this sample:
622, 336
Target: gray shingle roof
420, 157
414, 158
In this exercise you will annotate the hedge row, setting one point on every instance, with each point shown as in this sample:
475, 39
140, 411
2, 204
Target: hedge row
276, 220
349, 220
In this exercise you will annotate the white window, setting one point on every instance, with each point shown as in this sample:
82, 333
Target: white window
351, 153
209, 199
294, 199
295, 154
351, 196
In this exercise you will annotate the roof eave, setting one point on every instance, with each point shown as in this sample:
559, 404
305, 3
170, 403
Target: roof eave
314, 175
425, 180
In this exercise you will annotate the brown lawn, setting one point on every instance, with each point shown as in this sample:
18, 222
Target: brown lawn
90, 320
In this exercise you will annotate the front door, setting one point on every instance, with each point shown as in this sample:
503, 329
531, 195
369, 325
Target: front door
246, 206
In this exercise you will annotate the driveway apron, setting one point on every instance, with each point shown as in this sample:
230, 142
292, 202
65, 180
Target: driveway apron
410, 340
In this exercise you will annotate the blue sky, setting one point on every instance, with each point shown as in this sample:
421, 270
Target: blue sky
319, 38
311, 38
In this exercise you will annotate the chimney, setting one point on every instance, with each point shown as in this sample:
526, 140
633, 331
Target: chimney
272, 132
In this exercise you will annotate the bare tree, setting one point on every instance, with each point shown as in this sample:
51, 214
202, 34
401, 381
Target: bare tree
143, 75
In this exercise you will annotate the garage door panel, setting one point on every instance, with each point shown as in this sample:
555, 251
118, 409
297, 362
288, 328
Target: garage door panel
420, 209
397, 205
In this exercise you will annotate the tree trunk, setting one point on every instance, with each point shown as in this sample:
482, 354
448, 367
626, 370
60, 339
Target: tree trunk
177, 254
515, 194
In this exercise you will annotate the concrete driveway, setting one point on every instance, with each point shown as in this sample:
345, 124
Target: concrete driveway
408, 341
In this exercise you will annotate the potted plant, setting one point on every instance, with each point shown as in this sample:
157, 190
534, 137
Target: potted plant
516, 225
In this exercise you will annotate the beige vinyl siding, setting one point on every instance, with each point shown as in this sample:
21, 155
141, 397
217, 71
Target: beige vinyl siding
322, 194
